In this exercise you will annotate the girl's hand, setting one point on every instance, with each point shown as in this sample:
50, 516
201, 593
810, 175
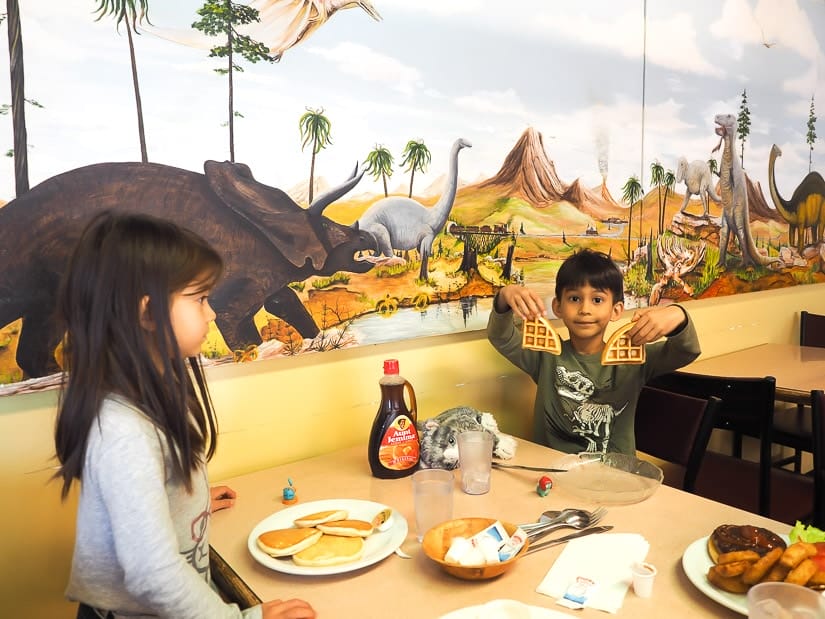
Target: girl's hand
291, 609
525, 303
221, 498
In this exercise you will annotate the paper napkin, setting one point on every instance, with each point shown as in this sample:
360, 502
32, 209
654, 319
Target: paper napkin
605, 559
505, 609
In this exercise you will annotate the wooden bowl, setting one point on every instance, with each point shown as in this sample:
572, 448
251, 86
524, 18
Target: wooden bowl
437, 542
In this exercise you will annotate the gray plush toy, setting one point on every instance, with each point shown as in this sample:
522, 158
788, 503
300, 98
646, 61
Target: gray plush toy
438, 437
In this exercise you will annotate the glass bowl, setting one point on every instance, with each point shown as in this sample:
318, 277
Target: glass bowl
609, 478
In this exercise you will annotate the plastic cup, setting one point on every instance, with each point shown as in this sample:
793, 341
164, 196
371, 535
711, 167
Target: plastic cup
475, 457
778, 600
432, 498
643, 576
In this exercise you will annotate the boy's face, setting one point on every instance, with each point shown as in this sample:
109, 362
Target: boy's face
586, 311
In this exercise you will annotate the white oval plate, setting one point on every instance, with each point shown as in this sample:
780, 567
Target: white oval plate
696, 562
376, 547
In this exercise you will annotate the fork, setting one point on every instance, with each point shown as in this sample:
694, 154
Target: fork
575, 519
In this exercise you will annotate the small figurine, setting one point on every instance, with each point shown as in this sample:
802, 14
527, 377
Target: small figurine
289, 496
544, 485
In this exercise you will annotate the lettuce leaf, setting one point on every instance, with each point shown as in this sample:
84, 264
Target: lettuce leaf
803, 533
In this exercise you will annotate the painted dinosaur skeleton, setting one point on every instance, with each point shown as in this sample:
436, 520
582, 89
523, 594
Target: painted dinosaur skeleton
679, 258
734, 194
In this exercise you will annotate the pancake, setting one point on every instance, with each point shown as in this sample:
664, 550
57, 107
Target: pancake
284, 542
311, 520
331, 550
347, 528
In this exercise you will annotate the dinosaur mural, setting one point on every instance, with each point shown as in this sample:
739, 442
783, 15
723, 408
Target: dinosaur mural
398, 222
698, 182
806, 208
265, 238
734, 193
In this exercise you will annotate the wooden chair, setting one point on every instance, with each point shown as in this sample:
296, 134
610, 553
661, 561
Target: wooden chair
792, 423
793, 496
675, 428
818, 423
746, 409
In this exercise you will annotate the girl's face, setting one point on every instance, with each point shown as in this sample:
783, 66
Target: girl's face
190, 314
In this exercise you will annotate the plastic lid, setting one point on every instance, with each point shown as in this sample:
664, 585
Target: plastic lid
391, 366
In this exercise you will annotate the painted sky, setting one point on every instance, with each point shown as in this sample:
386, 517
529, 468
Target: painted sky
435, 70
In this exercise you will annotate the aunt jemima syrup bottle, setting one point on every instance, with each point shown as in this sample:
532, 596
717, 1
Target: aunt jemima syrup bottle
393, 446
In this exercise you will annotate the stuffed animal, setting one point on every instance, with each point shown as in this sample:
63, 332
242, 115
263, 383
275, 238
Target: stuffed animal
438, 437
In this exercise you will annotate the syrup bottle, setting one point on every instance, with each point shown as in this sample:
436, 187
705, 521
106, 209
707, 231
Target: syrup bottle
393, 447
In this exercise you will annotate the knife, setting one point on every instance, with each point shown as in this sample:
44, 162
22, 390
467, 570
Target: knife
541, 469
561, 540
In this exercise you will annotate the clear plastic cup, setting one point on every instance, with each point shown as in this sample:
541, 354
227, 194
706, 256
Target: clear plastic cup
475, 457
783, 600
432, 498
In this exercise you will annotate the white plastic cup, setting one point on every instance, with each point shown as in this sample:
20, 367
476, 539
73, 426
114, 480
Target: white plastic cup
432, 498
643, 576
475, 457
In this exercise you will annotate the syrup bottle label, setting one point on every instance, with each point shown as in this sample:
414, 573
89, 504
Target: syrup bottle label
399, 445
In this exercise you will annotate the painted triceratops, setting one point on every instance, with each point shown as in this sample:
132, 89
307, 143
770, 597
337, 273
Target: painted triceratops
265, 238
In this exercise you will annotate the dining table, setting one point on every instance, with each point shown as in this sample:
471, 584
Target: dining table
671, 520
798, 370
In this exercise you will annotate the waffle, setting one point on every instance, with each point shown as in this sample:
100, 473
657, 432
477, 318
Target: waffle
619, 350
539, 334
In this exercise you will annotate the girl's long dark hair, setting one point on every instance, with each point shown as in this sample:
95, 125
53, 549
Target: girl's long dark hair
119, 260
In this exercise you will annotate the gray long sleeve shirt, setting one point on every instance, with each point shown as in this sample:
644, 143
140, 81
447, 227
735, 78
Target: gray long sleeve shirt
582, 405
142, 543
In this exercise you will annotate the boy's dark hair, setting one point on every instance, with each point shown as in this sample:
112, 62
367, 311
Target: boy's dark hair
118, 260
592, 268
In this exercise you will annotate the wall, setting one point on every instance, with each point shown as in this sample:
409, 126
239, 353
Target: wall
283, 410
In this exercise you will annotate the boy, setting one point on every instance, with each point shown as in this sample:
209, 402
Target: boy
582, 405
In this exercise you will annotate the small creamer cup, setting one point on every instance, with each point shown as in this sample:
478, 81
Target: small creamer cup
643, 576
475, 459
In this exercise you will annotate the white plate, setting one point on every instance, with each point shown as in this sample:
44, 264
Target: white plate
696, 562
376, 546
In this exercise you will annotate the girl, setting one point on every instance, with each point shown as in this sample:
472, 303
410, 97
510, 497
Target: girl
132, 428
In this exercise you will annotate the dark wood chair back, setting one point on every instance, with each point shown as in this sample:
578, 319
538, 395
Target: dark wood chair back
746, 408
675, 427
811, 329
818, 424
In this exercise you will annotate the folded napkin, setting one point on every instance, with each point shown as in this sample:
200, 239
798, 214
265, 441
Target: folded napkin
605, 559
505, 609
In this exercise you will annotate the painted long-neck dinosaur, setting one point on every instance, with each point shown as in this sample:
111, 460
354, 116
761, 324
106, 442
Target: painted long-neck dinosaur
734, 193
806, 208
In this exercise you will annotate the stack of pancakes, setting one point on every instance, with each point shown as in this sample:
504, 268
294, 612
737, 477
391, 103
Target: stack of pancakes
319, 539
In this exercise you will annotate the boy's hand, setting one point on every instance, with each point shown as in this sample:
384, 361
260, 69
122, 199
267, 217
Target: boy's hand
525, 303
653, 323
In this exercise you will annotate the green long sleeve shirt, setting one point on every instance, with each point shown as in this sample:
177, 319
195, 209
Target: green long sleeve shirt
582, 405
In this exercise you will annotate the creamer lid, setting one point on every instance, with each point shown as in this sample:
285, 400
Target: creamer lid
391, 366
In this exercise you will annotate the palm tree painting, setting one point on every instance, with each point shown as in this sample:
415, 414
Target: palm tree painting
416, 157
379, 165
130, 13
315, 131
18, 110
631, 192
657, 176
